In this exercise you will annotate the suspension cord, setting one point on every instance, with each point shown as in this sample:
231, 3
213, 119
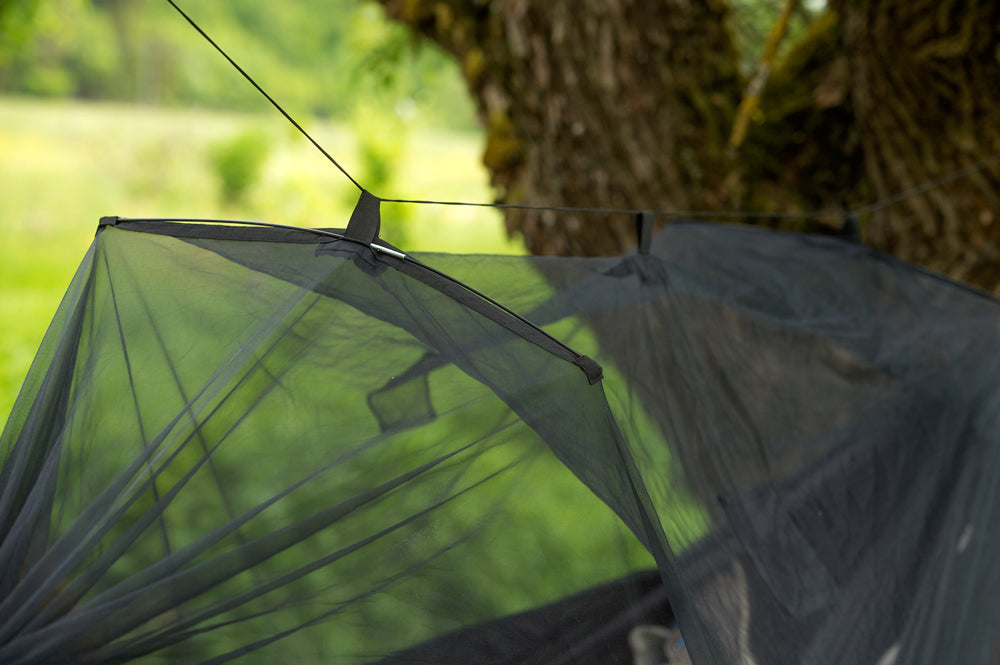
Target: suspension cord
267, 96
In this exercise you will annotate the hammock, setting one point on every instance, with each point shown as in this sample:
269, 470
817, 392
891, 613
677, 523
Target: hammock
280, 445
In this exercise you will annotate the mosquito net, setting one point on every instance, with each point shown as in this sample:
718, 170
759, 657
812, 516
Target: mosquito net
282, 445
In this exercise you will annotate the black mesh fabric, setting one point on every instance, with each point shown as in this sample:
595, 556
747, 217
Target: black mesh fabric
272, 446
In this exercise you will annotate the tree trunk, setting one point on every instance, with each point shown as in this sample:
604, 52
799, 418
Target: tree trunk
925, 86
583, 109
629, 104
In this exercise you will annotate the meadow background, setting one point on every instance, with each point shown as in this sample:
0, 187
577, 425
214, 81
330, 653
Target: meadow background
122, 109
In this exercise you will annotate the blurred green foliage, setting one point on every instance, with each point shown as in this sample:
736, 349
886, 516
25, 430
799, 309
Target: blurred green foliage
238, 162
313, 56
752, 21
16, 18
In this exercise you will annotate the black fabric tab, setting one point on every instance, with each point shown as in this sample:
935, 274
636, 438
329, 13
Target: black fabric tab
591, 368
365, 220
405, 401
644, 230
851, 228
108, 221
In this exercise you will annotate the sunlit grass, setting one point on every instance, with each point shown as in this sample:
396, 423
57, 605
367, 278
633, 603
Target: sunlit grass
63, 165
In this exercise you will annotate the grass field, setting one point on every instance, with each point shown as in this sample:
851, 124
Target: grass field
63, 165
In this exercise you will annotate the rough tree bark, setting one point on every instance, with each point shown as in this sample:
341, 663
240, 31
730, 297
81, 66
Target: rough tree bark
630, 103
924, 80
